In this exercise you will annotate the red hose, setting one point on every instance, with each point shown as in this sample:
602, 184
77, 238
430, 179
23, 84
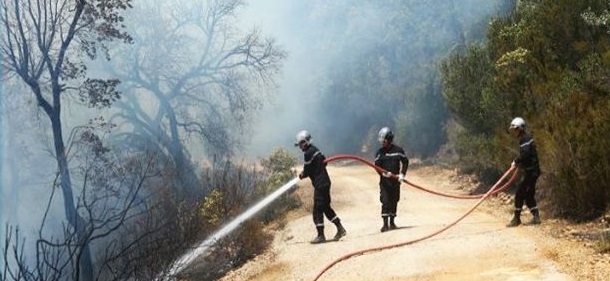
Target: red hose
493, 190
381, 170
456, 196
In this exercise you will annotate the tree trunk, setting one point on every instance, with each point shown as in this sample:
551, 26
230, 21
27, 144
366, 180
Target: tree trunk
186, 174
188, 180
85, 270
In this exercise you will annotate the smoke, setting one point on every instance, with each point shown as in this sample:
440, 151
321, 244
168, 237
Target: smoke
330, 40
26, 168
326, 42
324, 39
287, 112
2, 160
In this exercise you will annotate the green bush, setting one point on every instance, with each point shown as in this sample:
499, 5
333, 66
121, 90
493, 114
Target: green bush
549, 62
575, 146
212, 209
278, 170
234, 189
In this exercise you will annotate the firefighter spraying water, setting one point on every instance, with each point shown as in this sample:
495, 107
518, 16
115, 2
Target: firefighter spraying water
315, 169
204, 246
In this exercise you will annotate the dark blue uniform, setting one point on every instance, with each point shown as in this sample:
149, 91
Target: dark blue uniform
390, 159
315, 169
527, 162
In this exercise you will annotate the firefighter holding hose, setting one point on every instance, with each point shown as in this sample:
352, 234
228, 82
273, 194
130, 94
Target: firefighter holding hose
527, 162
315, 169
393, 159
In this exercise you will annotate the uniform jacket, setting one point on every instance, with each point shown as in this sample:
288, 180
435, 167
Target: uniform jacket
390, 159
528, 156
315, 168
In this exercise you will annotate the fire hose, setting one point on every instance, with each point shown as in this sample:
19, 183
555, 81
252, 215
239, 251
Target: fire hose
493, 190
381, 170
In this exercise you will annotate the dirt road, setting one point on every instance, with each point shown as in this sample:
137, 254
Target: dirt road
478, 248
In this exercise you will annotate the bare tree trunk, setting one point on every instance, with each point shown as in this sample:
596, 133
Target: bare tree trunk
184, 166
36, 45
75, 220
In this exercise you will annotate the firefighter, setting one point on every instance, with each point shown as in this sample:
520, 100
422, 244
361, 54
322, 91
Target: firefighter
527, 162
391, 158
315, 169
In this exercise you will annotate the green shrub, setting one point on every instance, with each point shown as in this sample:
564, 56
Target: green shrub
235, 189
544, 63
278, 170
575, 146
211, 211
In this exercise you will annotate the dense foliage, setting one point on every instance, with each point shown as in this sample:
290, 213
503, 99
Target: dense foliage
549, 62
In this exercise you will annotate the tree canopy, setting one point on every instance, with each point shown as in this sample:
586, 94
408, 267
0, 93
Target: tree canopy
549, 62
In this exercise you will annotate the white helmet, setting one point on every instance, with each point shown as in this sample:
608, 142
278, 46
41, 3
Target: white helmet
385, 134
302, 137
518, 122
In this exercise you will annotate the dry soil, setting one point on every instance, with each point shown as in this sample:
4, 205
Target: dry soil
479, 247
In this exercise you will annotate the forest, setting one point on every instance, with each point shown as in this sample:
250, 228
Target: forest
126, 126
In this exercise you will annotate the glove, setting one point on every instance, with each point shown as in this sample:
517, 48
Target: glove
401, 177
387, 175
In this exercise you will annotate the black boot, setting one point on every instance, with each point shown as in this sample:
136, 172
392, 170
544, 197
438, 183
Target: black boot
385, 226
320, 238
392, 224
340, 230
516, 219
536, 218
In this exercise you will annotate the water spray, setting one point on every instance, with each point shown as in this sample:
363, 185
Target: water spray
198, 250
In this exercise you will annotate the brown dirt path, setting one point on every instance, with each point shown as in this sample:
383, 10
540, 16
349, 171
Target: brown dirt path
478, 248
